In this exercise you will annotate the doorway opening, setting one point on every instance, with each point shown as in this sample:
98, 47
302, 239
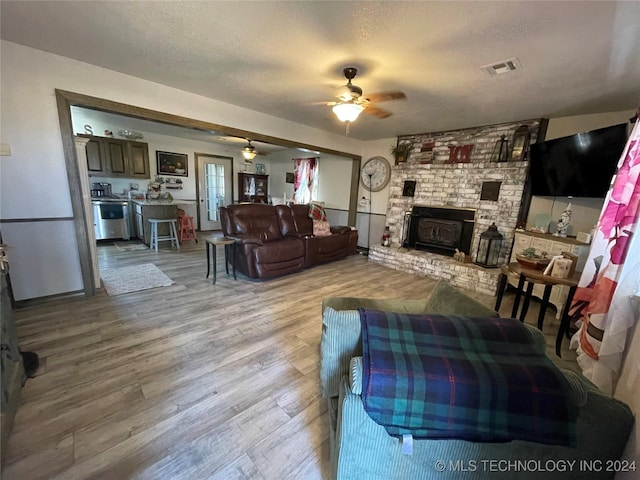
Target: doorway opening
65, 100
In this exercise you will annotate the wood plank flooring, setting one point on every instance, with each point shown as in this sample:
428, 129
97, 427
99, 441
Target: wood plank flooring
191, 381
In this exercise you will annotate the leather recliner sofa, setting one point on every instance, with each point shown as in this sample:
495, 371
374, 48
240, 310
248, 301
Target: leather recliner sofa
277, 240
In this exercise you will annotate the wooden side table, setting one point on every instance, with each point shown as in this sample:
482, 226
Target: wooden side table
228, 243
533, 276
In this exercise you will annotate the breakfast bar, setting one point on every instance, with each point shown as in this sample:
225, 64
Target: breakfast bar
143, 210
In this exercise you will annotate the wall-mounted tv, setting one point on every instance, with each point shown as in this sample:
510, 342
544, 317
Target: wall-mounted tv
577, 166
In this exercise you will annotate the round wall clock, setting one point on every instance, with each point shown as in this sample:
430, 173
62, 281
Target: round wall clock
375, 174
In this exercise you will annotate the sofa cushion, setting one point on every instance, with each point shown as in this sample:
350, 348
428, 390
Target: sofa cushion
446, 299
304, 223
255, 220
278, 251
321, 228
287, 223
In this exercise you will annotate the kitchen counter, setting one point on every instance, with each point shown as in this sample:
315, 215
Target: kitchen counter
175, 201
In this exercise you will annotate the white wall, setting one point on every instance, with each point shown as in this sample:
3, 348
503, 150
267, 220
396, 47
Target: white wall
565, 126
34, 184
334, 182
379, 200
279, 164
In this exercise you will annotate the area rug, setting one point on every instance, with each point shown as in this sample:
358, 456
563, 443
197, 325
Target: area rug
133, 278
127, 247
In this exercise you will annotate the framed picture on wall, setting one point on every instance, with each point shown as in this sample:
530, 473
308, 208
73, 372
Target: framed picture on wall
289, 178
172, 164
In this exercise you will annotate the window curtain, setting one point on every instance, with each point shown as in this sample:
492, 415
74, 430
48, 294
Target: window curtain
305, 185
603, 303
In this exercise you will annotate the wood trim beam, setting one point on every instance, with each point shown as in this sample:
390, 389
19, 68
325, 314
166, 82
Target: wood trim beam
102, 104
75, 190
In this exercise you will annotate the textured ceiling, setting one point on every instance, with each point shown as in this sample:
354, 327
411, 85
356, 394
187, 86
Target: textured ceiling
281, 58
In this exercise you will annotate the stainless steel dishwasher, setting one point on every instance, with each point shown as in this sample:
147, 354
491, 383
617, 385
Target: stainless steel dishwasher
111, 219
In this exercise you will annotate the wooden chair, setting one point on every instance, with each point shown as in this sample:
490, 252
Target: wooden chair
186, 228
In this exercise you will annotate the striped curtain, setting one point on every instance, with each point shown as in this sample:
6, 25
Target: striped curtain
604, 302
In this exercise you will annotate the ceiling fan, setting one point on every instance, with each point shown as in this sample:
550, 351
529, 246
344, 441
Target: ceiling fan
351, 102
249, 152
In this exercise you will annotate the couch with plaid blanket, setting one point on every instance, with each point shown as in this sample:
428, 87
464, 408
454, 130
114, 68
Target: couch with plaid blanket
363, 449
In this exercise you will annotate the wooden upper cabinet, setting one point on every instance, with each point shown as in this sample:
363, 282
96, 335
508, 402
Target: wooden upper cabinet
113, 157
138, 159
117, 161
95, 159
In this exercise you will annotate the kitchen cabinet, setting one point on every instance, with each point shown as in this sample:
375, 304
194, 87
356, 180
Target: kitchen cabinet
113, 157
138, 159
553, 246
95, 160
253, 188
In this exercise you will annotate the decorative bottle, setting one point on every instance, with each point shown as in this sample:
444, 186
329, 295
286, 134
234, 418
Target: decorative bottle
385, 241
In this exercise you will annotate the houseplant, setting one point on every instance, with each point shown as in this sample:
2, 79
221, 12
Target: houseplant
401, 151
531, 259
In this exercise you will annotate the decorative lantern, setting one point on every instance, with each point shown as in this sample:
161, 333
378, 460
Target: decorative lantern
489, 247
501, 150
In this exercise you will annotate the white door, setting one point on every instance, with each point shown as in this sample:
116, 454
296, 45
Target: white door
215, 175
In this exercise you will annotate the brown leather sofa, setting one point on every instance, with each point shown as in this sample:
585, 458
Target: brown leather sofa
277, 240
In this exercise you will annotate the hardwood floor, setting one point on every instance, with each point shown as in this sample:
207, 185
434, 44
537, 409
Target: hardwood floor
191, 381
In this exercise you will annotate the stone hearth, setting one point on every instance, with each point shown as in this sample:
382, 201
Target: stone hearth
426, 264
451, 170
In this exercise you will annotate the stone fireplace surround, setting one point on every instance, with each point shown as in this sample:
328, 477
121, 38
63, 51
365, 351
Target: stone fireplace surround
456, 185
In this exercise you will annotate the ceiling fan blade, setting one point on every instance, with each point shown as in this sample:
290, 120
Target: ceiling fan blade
325, 104
386, 96
377, 112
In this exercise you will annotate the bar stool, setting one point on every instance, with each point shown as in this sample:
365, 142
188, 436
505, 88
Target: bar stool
186, 228
173, 233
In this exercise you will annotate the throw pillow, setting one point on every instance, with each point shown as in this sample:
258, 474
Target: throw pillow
316, 211
321, 228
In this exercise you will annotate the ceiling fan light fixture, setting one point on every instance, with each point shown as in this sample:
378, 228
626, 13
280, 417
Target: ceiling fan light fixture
249, 152
347, 112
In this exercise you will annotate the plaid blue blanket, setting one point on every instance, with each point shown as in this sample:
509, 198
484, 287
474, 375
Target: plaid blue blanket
476, 379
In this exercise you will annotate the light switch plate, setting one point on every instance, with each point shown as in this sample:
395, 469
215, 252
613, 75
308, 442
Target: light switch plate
5, 149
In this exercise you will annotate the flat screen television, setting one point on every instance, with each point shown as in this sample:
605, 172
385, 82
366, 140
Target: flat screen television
580, 165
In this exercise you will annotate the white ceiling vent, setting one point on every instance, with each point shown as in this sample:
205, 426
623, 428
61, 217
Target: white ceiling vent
505, 66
